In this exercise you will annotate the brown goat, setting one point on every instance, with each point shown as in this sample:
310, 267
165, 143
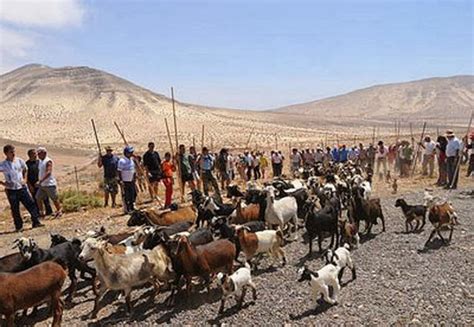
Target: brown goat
268, 241
167, 218
204, 260
32, 287
244, 215
442, 216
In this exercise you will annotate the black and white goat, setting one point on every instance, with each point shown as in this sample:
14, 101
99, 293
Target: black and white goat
342, 258
320, 282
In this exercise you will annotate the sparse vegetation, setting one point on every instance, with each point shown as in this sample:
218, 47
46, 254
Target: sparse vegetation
74, 201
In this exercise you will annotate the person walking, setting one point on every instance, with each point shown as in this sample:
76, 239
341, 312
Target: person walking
126, 176
48, 186
381, 157
32, 177
109, 162
428, 156
168, 167
152, 164
206, 163
453, 151
14, 171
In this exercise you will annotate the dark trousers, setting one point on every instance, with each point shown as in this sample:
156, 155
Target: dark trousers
451, 170
15, 197
249, 172
130, 195
470, 168
256, 172
278, 169
208, 178
47, 205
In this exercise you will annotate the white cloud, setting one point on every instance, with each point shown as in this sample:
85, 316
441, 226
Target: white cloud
14, 44
42, 13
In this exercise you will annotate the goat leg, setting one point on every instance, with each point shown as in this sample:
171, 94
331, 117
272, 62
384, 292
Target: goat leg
10, 319
441, 236
127, 301
100, 295
73, 287
241, 299
320, 241
221, 308
341, 273
57, 308
417, 225
450, 234
332, 241
431, 236
407, 223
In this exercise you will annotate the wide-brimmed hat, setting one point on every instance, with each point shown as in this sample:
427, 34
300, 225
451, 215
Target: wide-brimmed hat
108, 148
449, 132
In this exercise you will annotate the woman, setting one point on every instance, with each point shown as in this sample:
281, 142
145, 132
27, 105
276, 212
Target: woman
263, 164
168, 167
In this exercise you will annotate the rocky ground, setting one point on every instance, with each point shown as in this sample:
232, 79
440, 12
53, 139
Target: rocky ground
398, 282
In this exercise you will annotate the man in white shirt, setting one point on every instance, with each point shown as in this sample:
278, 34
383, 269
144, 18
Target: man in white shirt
428, 156
381, 159
277, 163
14, 170
47, 183
126, 175
296, 160
453, 151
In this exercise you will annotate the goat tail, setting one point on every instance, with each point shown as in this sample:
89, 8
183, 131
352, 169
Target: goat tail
281, 239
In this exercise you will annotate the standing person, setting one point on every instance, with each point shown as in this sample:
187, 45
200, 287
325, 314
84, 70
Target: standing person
381, 157
206, 163
318, 155
230, 165
32, 177
470, 147
14, 170
263, 164
185, 168
152, 164
222, 166
295, 159
453, 151
248, 164
343, 154
126, 176
109, 161
406, 157
362, 156
308, 158
391, 157
428, 156
168, 167
277, 163
441, 143
371, 151
335, 154
256, 166
48, 187
193, 161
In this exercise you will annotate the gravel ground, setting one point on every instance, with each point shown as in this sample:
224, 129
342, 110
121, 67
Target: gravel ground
398, 283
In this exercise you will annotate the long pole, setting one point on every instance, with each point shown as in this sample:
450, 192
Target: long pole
458, 163
202, 137
418, 149
169, 137
181, 185
249, 139
412, 136
121, 133
373, 136
96, 137
77, 178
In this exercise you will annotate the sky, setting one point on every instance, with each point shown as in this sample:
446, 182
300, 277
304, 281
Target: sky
245, 54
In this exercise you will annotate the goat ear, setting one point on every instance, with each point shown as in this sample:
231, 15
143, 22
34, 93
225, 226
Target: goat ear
102, 229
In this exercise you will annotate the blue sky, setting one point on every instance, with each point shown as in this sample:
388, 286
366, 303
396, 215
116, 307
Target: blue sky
244, 54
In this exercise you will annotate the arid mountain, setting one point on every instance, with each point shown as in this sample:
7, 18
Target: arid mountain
40, 104
434, 98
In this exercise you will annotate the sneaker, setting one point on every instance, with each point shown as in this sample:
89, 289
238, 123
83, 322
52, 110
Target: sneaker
38, 225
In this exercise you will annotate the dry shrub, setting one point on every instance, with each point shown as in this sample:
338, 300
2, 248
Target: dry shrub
73, 200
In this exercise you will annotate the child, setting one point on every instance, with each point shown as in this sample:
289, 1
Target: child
168, 167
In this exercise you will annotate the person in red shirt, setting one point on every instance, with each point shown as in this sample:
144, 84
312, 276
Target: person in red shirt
168, 167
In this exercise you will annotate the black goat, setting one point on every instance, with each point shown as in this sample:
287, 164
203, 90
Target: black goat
319, 222
161, 234
416, 212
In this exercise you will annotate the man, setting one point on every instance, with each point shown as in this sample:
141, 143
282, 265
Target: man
32, 178
441, 143
428, 156
343, 154
406, 158
335, 153
152, 164
248, 164
193, 158
318, 155
453, 151
206, 163
295, 159
308, 158
126, 176
14, 170
370, 155
277, 163
470, 147
362, 156
109, 161
48, 187
222, 165
185, 168
381, 156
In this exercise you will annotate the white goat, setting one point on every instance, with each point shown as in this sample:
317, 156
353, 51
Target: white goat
123, 272
267, 241
342, 258
236, 285
282, 211
320, 282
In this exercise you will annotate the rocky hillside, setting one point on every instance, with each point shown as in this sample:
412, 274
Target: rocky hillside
447, 97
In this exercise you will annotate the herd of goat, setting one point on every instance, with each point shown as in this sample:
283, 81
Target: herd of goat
204, 241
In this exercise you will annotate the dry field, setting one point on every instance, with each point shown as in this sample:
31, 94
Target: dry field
398, 283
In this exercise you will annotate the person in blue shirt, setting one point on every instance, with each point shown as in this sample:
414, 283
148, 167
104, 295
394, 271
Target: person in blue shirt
206, 163
343, 154
109, 161
335, 154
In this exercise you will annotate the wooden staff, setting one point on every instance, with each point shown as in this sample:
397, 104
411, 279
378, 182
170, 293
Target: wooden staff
373, 136
96, 137
121, 133
181, 185
458, 163
250, 138
418, 149
77, 179
276, 142
437, 131
202, 137
169, 136
194, 142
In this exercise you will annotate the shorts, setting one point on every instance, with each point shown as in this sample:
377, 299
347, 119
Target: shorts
45, 192
111, 185
154, 177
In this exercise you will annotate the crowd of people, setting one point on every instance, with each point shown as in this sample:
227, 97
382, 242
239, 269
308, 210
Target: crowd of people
32, 183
